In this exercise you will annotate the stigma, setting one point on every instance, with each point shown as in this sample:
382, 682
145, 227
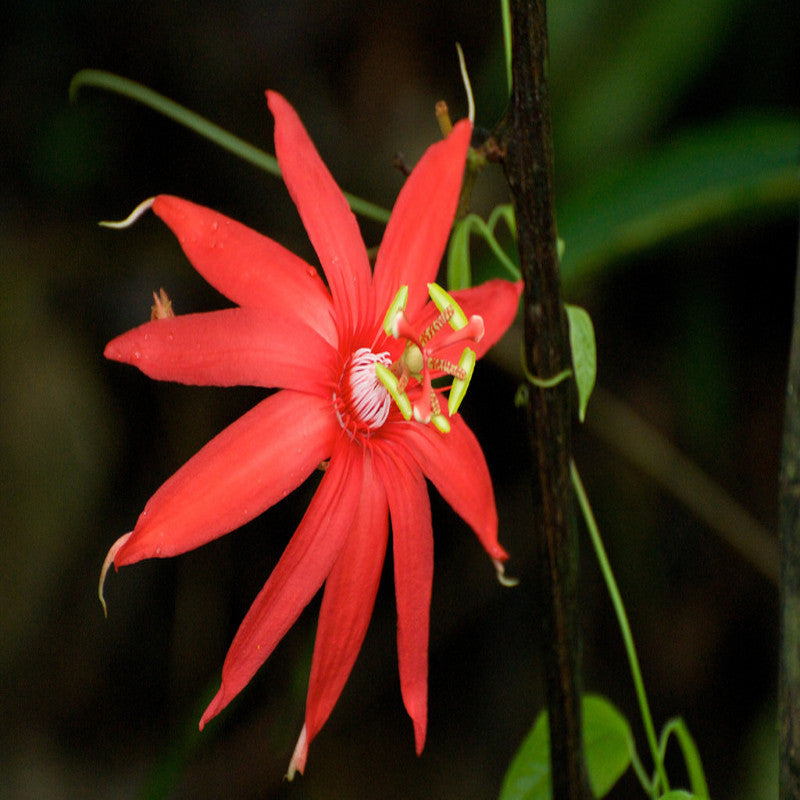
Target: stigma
422, 357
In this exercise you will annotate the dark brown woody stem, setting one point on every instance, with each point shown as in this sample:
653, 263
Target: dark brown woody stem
789, 672
528, 165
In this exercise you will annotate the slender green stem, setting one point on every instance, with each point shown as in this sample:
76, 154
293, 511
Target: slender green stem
625, 628
504, 211
100, 79
641, 772
691, 757
486, 231
505, 12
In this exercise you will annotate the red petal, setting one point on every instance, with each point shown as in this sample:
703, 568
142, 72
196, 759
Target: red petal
240, 473
412, 548
331, 226
455, 464
298, 575
348, 602
234, 347
496, 301
248, 268
417, 232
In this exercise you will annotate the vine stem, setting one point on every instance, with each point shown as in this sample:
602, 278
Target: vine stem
625, 629
100, 79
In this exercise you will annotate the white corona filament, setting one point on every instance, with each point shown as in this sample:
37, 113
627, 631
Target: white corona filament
137, 212
369, 402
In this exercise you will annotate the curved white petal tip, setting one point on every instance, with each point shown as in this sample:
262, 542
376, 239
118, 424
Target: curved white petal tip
109, 560
502, 578
467, 86
137, 212
298, 762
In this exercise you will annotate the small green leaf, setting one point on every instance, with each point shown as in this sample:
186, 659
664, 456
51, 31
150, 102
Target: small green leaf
528, 777
607, 740
678, 794
584, 354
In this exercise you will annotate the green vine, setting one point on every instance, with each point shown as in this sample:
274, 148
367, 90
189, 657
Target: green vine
100, 79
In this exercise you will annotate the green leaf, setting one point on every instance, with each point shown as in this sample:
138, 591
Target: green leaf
607, 740
528, 777
584, 354
677, 794
703, 177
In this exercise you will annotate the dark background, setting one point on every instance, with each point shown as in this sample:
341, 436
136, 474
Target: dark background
693, 334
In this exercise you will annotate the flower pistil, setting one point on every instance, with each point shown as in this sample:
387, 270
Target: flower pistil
419, 359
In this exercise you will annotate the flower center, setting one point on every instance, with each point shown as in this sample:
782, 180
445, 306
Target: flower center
419, 359
361, 401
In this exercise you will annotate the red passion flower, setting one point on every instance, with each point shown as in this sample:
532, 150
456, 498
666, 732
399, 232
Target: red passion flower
354, 362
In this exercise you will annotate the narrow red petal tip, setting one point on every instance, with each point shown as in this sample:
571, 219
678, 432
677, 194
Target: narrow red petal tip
214, 707
113, 352
419, 735
498, 554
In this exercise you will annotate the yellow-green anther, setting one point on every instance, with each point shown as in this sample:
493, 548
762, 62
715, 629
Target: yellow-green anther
388, 379
398, 304
459, 387
441, 423
442, 300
